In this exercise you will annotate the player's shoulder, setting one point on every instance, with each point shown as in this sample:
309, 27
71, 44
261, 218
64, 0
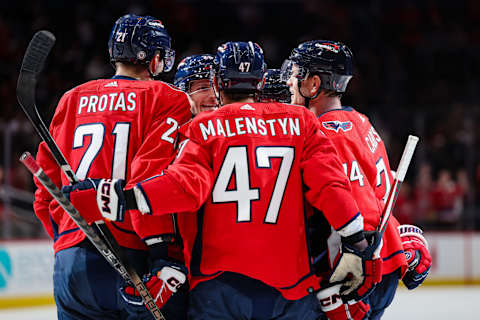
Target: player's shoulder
259, 110
119, 84
344, 113
169, 96
166, 96
282, 107
183, 129
165, 88
342, 120
102, 85
203, 116
89, 85
253, 109
223, 112
264, 108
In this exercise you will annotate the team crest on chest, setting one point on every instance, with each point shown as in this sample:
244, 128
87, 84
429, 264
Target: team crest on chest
336, 125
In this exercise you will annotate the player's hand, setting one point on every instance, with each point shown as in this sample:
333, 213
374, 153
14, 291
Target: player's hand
111, 199
334, 308
83, 196
359, 267
415, 247
161, 285
98, 199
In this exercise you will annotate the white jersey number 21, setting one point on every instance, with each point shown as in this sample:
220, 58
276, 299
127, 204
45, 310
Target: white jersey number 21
96, 131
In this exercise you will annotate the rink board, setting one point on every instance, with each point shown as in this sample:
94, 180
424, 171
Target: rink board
455, 257
26, 267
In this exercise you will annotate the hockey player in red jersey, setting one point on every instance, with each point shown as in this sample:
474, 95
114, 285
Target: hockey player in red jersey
275, 88
124, 128
247, 168
318, 73
193, 78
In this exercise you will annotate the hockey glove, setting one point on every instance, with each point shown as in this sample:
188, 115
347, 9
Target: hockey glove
415, 247
358, 270
161, 285
83, 196
97, 199
334, 308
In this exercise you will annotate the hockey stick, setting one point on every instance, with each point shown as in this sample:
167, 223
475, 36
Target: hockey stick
397, 183
33, 62
127, 273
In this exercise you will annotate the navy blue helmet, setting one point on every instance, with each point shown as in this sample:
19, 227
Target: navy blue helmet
196, 67
135, 39
238, 67
274, 88
330, 60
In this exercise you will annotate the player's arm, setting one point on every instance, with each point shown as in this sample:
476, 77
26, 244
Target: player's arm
156, 152
186, 183
328, 190
160, 141
44, 204
183, 186
43, 199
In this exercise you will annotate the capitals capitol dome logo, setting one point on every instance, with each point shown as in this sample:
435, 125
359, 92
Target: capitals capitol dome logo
5, 268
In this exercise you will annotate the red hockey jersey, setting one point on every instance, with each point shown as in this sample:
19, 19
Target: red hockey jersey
366, 164
116, 128
250, 166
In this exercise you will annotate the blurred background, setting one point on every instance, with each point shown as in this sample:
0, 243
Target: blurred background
416, 63
416, 71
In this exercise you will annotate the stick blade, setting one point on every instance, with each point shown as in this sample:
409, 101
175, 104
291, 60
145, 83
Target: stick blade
37, 52
33, 63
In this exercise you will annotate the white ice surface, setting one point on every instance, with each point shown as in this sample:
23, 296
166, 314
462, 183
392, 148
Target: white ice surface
430, 303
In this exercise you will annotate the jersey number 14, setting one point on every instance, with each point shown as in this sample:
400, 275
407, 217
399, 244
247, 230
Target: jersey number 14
355, 174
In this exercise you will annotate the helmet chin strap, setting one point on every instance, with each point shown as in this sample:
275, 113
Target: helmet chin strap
155, 75
216, 90
150, 72
307, 99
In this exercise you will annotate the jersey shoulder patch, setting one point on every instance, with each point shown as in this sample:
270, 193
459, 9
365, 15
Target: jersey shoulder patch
336, 125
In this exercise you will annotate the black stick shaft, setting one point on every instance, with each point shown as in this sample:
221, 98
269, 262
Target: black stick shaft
33, 62
127, 273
